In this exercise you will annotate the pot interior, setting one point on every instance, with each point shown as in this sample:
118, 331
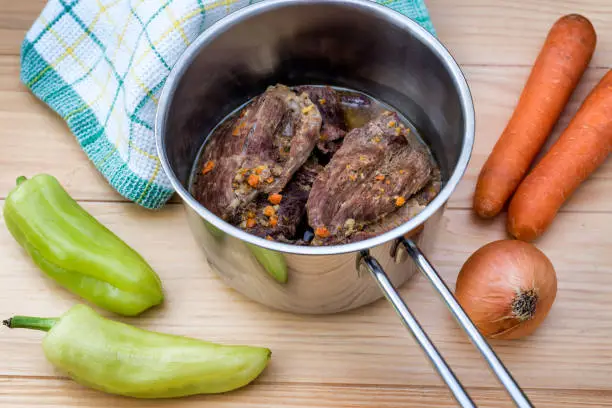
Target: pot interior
353, 44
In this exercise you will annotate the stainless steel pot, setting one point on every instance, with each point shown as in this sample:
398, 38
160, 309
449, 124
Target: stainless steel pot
355, 44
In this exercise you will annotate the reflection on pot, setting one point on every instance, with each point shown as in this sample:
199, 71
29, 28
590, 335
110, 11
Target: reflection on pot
273, 262
214, 231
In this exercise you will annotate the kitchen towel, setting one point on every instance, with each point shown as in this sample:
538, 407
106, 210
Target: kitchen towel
101, 65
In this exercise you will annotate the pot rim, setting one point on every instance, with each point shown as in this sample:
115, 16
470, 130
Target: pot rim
392, 17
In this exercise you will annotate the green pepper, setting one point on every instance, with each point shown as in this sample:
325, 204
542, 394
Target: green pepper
120, 359
78, 252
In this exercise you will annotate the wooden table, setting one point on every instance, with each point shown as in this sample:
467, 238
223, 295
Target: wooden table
359, 359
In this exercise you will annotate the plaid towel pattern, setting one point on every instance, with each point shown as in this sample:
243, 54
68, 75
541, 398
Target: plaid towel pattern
101, 65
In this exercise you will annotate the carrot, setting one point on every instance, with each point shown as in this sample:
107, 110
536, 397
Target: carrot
273, 221
275, 199
253, 180
269, 211
563, 59
322, 232
208, 167
582, 147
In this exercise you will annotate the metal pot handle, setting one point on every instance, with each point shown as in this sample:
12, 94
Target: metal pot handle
411, 323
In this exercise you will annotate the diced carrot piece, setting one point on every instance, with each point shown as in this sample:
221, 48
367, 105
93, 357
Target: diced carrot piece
251, 222
273, 221
269, 211
275, 199
400, 201
380, 177
208, 167
322, 232
253, 180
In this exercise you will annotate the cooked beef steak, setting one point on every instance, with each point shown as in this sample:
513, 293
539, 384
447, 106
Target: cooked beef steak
413, 206
315, 166
257, 152
375, 172
334, 127
264, 218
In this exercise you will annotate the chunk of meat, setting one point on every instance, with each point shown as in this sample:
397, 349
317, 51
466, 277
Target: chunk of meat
374, 174
215, 188
413, 206
258, 151
280, 221
328, 103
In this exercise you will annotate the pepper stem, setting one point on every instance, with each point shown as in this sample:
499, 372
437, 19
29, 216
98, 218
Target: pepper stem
21, 179
28, 322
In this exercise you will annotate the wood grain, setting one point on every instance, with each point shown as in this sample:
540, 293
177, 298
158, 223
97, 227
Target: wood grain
367, 346
27, 392
16, 17
501, 32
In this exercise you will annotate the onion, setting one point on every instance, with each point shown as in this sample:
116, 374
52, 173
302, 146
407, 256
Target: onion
507, 288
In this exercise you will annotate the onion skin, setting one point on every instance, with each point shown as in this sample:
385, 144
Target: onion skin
507, 288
